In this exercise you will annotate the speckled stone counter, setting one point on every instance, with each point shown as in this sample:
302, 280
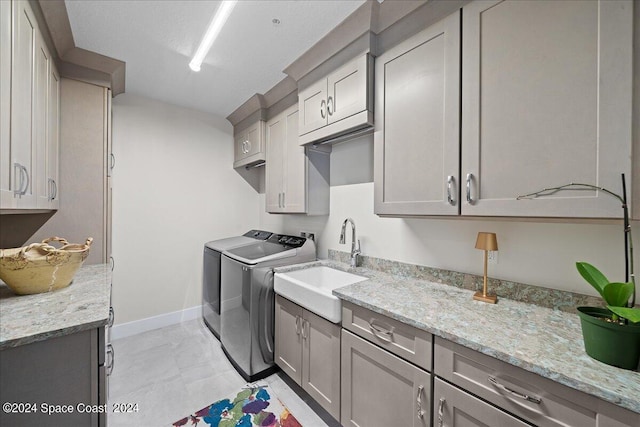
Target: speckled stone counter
538, 339
82, 305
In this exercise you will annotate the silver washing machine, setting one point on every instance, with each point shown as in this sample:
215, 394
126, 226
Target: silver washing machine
211, 273
247, 313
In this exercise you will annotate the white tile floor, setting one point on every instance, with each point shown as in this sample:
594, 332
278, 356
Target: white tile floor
174, 371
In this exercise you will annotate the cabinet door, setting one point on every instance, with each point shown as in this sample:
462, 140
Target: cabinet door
347, 90
416, 143
546, 101
276, 132
312, 104
22, 96
288, 338
240, 146
453, 407
249, 145
6, 165
380, 389
40, 122
321, 362
53, 138
295, 179
254, 139
57, 371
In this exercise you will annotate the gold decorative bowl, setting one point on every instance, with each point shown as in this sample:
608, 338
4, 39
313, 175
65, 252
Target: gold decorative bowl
41, 267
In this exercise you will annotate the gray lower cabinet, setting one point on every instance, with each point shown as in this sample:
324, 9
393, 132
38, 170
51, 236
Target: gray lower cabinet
535, 399
307, 348
453, 407
380, 389
54, 382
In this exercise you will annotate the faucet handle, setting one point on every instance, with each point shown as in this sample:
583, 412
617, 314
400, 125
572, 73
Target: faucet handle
357, 251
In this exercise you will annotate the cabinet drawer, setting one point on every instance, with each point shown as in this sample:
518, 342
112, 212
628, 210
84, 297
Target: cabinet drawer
508, 387
453, 407
399, 338
380, 389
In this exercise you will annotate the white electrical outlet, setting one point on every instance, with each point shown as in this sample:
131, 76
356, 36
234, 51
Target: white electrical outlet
492, 257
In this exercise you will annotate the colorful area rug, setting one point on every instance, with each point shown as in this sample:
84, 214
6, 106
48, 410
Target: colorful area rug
253, 406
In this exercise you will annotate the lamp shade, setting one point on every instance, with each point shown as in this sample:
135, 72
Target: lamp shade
487, 241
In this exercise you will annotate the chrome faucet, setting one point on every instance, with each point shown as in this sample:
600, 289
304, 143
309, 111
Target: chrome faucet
355, 250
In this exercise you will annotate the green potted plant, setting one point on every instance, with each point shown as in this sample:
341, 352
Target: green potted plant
612, 334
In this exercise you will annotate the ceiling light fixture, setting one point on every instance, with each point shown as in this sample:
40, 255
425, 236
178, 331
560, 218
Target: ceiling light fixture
223, 12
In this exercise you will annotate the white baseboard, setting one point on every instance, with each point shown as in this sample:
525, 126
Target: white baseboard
150, 323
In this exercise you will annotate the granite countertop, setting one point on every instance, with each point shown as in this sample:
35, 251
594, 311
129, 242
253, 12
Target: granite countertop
538, 339
82, 305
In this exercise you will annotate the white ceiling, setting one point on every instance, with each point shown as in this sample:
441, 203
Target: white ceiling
157, 38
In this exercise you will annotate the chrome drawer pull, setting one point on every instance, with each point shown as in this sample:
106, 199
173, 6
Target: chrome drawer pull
112, 317
469, 199
323, 107
526, 397
111, 358
441, 412
375, 330
419, 400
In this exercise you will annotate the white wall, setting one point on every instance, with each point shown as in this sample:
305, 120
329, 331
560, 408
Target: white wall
174, 190
542, 254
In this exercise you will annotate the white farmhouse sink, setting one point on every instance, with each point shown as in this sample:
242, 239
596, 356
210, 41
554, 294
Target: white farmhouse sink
311, 288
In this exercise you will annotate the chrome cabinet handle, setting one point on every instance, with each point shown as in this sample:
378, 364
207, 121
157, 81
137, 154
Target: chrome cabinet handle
112, 317
49, 189
305, 329
298, 325
469, 199
420, 413
441, 412
329, 106
112, 261
526, 397
113, 160
27, 180
450, 181
248, 145
323, 106
21, 189
383, 334
55, 189
283, 196
111, 358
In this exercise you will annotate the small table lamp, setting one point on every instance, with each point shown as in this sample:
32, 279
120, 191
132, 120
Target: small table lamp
487, 242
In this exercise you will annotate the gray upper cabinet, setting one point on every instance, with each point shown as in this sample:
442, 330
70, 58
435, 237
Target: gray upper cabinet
546, 96
249, 145
297, 178
6, 166
338, 103
416, 140
22, 157
285, 167
29, 113
546, 101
